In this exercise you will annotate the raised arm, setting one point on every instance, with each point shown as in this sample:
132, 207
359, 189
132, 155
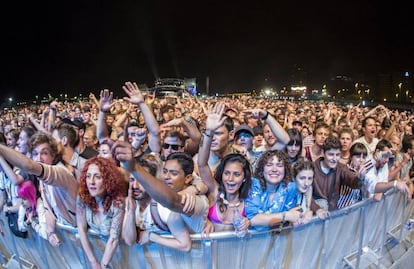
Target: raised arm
105, 105
280, 133
135, 97
215, 119
157, 189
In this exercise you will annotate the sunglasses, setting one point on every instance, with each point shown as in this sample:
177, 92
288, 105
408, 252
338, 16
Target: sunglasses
174, 147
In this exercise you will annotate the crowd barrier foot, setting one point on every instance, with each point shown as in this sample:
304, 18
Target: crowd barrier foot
14, 263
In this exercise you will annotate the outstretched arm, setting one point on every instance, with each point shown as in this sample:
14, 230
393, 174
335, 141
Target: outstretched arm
157, 189
20, 160
135, 97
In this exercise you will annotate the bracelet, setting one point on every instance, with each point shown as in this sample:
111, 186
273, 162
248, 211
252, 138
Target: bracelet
105, 265
265, 117
208, 135
283, 217
395, 184
149, 236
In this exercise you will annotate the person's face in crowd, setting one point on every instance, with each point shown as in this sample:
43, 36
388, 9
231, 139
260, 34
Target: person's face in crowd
104, 151
331, 158
171, 144
293, 150
396, 144
178, 113
10, 141
163, 131
233, 177
297, 126
258, 140
269, 136
138, 191
356, 134
346, 141
304, 132
304, 180
86, 117
240, 117
41, 153
370, 129
245, 140
95, 181
281, 119
408, 130
358, 160
109, 120
312, 119
382, 157
320, 136
22, 142
411, 150
220, 139
141, 119
26, 202
89, 139
136, 136
174, 176
251, 121
274, 171
231, 113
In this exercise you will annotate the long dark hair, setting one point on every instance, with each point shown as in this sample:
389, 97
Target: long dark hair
245, 186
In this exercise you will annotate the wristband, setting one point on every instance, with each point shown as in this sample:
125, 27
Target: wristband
395, 184
265, 117
208, 135
283, 217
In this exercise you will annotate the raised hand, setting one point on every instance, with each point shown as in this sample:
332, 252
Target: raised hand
105, 101
135, 95
215, 116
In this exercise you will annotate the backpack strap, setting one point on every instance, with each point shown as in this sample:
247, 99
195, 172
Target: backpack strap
156, 217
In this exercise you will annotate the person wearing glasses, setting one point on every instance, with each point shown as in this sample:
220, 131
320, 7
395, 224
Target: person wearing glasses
173, 142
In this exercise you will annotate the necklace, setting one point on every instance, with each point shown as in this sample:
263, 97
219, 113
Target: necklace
226, 202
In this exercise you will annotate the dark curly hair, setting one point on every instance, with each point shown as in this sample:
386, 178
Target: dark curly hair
245, 186
115, 186
267, 156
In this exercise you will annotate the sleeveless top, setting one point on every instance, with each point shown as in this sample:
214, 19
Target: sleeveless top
103, 228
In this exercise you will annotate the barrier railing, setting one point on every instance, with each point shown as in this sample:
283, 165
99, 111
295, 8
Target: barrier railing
353, 237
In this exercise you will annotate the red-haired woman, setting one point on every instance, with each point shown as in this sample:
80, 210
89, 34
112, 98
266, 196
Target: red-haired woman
100, 206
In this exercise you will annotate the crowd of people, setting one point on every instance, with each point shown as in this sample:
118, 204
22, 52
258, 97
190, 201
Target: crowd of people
136, 168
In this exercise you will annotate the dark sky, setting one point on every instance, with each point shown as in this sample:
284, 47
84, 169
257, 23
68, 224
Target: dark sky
84, 46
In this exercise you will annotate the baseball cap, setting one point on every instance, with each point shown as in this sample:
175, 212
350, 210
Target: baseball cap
243, 128
76, 123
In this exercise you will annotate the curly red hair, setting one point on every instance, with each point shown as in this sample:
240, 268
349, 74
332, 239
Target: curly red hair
115, 186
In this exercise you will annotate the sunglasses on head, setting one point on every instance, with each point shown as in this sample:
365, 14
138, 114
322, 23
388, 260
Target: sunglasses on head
174, 147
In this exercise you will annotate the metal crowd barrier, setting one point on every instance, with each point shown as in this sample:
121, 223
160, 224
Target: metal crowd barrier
364, 235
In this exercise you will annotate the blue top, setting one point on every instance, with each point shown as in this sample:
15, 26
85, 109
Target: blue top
285, 198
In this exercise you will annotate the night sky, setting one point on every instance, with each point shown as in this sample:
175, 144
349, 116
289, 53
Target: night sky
84, 46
